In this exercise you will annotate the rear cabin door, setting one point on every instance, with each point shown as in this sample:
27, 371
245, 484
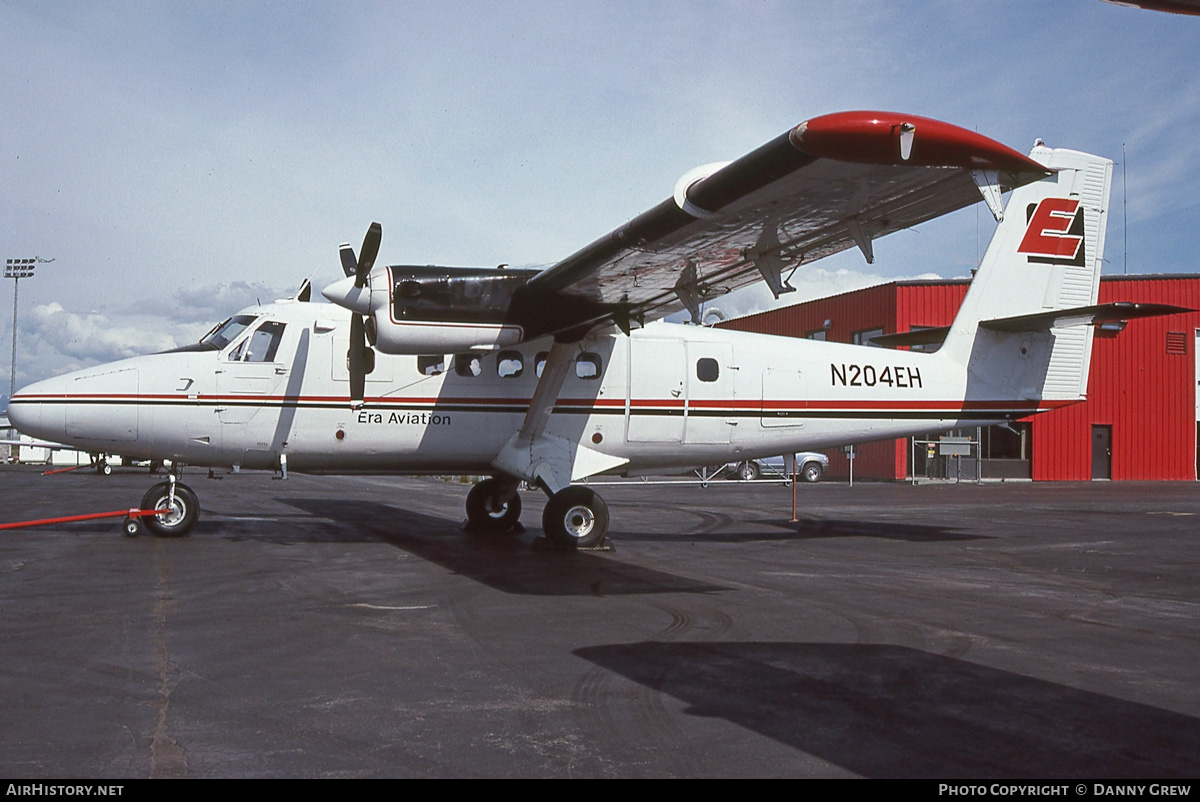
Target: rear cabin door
711, 377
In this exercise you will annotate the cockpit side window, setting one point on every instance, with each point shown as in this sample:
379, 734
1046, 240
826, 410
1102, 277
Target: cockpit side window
261, 345
225, 333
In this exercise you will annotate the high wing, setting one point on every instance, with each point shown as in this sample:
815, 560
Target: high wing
830, 183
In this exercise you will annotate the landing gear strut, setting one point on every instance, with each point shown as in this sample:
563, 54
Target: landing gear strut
492, 507
179, 505
576, 518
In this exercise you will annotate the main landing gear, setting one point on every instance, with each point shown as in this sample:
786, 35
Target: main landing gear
574, 518
493, 507
179, 505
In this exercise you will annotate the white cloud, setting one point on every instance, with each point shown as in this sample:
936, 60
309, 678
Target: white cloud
89, 339
215, 302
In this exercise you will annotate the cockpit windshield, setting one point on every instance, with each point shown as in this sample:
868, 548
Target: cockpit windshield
224, 333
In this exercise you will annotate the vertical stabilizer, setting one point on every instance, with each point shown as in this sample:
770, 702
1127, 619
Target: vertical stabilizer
1045, 256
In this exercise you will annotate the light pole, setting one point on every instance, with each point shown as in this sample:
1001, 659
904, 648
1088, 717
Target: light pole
17, 269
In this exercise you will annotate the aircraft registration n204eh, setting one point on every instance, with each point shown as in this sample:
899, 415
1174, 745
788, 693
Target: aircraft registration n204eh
552, 375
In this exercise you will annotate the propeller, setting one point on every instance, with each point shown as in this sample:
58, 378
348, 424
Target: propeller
360, 359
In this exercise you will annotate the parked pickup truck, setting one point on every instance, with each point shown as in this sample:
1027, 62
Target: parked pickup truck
810, 465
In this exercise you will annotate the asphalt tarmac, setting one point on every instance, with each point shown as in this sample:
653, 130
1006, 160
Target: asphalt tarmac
348, 627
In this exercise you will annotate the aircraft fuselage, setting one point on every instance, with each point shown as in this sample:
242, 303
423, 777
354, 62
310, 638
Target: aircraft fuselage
665, 396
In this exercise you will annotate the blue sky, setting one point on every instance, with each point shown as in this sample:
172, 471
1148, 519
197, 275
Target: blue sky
179, 160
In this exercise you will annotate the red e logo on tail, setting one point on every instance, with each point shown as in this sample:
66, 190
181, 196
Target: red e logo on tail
1052, 233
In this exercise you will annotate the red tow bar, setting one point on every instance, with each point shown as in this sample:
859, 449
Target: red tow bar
64, 470
134, 513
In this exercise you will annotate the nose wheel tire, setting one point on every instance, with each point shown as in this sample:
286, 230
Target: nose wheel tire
178, 515
576, 518
487, 513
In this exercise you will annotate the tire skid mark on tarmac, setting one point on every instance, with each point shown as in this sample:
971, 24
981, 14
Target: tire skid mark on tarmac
708, 520
655, 725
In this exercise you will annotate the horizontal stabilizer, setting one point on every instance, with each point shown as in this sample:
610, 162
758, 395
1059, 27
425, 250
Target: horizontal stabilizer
930, 336
1081, 316
1039, 321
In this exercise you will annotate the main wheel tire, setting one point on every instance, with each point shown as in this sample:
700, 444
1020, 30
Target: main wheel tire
177, 518
487, 513
748, 471
576, 518
811, 472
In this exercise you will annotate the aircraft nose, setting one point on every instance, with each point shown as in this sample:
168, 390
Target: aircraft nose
29, 413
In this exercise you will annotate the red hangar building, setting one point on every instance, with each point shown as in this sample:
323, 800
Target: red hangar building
1140, 420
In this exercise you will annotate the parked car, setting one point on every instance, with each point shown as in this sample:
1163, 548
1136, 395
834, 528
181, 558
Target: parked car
810, 464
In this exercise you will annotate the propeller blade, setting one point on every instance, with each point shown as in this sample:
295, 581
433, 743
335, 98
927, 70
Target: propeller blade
349, 263
355, 361
366, 256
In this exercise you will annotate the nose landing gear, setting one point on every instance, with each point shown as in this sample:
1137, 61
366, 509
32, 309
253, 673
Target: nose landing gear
179, 505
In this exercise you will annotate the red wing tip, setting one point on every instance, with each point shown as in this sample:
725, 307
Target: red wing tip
885, 137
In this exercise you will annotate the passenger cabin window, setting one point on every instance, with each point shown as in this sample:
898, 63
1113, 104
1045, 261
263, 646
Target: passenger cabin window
468, 365
707, 370
509, 364
587, 366
431, 365
261, 345
539, 362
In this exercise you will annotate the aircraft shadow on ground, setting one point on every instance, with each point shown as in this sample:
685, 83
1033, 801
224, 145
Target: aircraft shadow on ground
815, 528
714, 527
893, 711
505, 562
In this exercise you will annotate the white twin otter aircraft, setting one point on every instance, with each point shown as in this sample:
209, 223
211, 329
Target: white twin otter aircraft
551, 375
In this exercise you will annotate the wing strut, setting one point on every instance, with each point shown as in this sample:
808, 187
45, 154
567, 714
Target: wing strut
548, 460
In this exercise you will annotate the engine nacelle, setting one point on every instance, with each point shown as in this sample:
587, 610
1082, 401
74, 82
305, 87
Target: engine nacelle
427, 337
438, 310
